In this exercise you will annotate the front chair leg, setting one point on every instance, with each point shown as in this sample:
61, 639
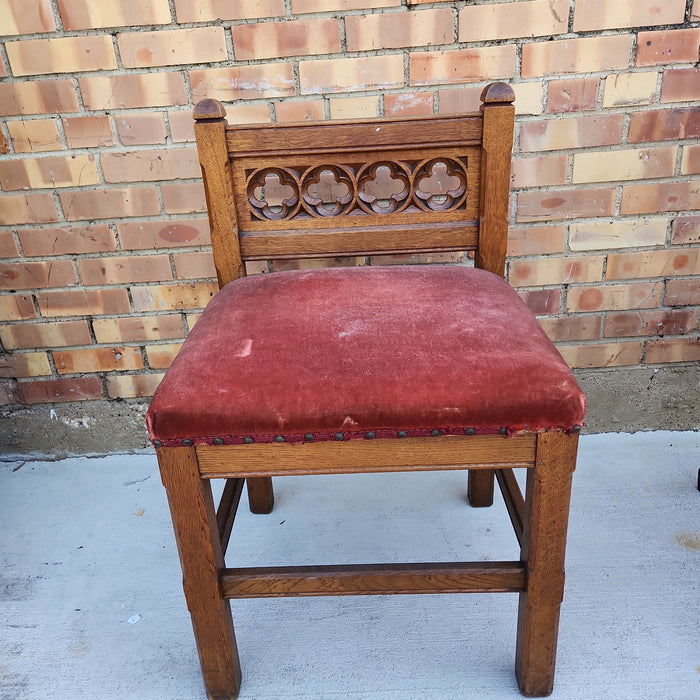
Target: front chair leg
202, 559
261, 496
480, 487
547, 498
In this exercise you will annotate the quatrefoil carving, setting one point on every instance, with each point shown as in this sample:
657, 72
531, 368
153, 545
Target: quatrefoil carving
384, 188
273, 193
440, 184
327, 190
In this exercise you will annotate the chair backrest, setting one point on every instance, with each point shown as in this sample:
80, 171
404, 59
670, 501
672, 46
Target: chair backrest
378, 186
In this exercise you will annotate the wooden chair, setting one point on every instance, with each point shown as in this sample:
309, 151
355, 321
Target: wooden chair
365, 369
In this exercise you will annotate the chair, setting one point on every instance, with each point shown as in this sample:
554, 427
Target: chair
365, 369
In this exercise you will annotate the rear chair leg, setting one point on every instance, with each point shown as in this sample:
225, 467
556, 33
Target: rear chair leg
544, 543
201, 557
480, 487
261, 496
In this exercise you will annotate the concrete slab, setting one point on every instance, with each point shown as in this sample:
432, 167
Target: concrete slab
92, 607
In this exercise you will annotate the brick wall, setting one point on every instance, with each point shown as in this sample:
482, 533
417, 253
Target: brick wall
103, 233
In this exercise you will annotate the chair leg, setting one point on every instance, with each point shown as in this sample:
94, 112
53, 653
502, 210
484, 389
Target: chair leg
201, 557
544, 543
480, 487
261, 497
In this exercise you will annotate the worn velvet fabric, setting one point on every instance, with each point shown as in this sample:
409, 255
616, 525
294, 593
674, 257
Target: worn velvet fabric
364, 352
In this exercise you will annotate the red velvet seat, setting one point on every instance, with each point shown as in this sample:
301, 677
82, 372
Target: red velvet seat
347, 353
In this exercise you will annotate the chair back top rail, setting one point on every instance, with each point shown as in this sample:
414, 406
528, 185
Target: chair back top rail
338, 188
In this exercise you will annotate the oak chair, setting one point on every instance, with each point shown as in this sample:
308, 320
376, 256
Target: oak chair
365, 369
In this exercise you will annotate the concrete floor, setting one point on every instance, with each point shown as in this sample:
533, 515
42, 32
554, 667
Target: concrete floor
91, 604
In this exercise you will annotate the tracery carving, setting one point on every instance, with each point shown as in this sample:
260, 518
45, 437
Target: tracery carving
440, 184
273, 193
383, 188
328, 190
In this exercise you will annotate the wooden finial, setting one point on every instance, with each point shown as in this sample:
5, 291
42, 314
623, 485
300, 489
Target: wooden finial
497, 92
208, 109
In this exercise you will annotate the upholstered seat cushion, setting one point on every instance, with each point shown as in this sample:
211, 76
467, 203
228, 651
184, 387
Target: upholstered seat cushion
363, 352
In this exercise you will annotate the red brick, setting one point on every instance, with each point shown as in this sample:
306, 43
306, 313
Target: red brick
284, 39
27, 209
33, 275
663, 196
664, 124
302, 6
460, 100
538, 240
690, 162
686, 229
83, 14
246, 82
614, 297
673, 350
83, 302
181, 126
617, 233
462, 65
34, 135
351, 74
248, 113
48, 172
133, 91
591, 15
146, 235
59, 390
125, 269
538, 172
539, 272
133, 385
652, 322
300, 111
653, 263
161, 356
664, 47
147, 165
571, 132
16, 307
4, 144
399, 30
26, 364
364, 107
67, 241
173, 296
409, 104
189, 266
26, 17
602, 354
45, 335
63, 55
572, 95
172, 47
567, 328
111, 203
97, 360
88, 132
682, 292
38, 97
347, 261
184, 199
8, 247
680, 85
587, 55
565, 204
624, 164
138, 328
215, 10
513, 20
541, 301
141, 128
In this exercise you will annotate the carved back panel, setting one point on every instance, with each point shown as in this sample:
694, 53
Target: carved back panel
357, 188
